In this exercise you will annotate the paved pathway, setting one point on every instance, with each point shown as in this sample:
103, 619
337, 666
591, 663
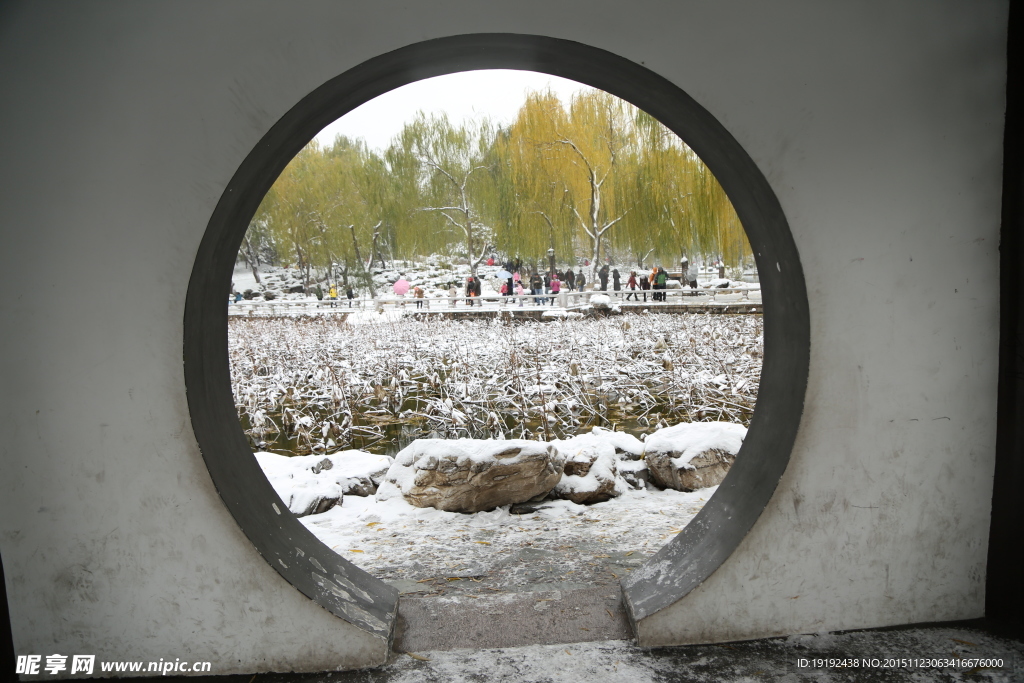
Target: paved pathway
618, 661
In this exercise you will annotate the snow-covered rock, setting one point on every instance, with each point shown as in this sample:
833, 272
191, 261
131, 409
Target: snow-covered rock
561, 315
634, 473
592, 465
625, 445
693, 455
587, 481
359, 472
470, 475
602, 304
311, 484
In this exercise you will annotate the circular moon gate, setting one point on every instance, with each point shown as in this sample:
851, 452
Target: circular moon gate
680, 566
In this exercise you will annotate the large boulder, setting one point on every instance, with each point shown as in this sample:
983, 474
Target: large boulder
591, 473
311, 484
471, 475
693, 455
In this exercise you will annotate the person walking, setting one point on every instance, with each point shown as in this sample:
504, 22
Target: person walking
453, 292
418, 293
470, 290
581, 281
570, 280
631, 285
556, 287
519, 293
350, 295
616, 282
332, 295
603, 276
536, 287
645, 284
661, 283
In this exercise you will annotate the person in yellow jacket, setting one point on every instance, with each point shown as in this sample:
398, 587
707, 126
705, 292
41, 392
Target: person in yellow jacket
333, 295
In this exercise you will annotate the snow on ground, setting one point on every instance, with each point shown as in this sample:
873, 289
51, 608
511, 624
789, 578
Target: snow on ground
558, 546
435, 274
553, 544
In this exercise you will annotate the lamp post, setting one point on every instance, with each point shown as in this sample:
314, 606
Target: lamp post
551, 259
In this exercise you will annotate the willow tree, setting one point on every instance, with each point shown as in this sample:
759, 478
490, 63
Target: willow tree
576, 169
595, 174
531, 213
454, 181
352, 207
329, 208
289, 211
688, 212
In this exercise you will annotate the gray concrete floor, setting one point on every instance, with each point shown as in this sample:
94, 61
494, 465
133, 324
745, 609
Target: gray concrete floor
511, 620
775, 659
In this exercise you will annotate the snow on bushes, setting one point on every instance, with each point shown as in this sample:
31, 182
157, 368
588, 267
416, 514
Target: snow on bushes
317, 385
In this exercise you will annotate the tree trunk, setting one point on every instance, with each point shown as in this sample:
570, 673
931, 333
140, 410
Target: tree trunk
367, 277
249, 258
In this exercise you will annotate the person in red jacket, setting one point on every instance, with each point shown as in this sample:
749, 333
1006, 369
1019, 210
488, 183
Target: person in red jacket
631, 285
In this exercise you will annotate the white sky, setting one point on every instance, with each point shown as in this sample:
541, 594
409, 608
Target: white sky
496, 93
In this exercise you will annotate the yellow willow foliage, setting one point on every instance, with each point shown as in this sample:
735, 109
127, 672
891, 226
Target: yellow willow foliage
603, 173
329, 203
572, 171
685, 213
584, 177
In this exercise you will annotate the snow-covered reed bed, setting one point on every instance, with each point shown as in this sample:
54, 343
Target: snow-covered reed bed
318, 385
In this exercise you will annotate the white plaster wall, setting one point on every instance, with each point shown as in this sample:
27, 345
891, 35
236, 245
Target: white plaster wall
879, 125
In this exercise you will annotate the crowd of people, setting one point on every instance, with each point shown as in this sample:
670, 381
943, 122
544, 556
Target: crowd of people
544, 287
539, 285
